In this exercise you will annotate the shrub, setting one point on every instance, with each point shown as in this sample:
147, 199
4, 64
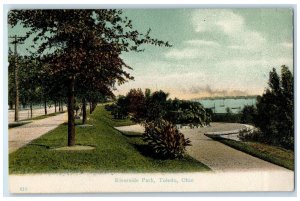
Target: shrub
251, 134
110, 107
187, 113
165, 139
248, 114
117, 111
225, 117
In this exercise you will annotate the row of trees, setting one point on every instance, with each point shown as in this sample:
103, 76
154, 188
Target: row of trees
79, 52
35, 87
273, 113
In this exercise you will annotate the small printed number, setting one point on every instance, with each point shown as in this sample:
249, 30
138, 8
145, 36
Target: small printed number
23, 188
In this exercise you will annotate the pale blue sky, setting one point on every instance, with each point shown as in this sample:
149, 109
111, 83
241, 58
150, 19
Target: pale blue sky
215, 52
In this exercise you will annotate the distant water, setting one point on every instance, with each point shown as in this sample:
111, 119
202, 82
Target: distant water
220, 105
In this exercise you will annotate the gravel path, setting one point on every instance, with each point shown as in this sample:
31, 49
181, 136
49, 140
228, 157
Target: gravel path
22, 135
219, 157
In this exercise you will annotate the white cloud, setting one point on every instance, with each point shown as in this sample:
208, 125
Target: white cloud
202, 43
205, 20
187, 53
193, 49
231, 26
257, 64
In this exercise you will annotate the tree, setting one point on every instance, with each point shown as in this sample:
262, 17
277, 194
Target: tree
136, 103
248, 114
156, 105
86, 42
275, 109
29, 81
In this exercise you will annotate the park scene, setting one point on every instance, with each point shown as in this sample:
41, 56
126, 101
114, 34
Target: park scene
151, 91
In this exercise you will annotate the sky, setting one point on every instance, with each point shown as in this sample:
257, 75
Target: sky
215, 52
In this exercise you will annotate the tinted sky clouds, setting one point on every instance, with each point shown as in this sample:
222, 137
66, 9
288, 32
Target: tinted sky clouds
215, 52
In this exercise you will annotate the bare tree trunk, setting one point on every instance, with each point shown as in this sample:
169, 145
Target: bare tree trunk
16, 92
94, 104
55, 106
91, 109
83, 111
31, 110
71, 118
59, 106
45, 105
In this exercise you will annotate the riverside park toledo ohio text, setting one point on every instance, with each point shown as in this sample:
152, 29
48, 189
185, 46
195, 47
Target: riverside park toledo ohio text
154, 180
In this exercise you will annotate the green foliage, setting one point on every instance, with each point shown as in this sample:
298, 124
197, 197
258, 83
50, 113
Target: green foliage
165, 139
153, 106
156, 106
275, 109
187, 113
135, 101
254, 135
82, 50
248, 114
120, 109
226, 117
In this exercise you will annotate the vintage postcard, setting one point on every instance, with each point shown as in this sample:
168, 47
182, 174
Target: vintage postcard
150, 100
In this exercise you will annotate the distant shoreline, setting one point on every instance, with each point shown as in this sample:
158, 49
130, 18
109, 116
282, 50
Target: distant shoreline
225, 97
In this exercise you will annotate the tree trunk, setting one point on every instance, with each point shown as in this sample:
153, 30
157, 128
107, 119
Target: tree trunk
83, 111
31, 110
45, 105
59, 106
55, 106
94, 105
91, 108
71, 118
62, 106
16, 91
11, 105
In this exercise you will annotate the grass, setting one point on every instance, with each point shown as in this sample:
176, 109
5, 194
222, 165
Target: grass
114, 151
18, 123
273, 154
45, 116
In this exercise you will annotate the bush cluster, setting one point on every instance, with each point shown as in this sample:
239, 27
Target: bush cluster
165, 139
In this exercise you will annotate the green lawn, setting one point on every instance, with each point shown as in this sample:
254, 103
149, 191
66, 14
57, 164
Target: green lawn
114, 151
46, 116
273, 154
18, 123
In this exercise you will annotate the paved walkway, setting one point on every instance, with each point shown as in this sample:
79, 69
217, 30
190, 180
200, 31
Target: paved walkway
219, 157
22, 135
